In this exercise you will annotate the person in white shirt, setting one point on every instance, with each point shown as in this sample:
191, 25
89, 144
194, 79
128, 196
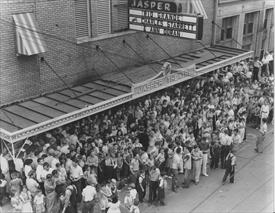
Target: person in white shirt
264, 111
265, 61
230, 167
76, 174
32, 184
88, 198
46, 170
19, 164
223, 139
39, 173
27, 167
128, 200
176, 165
55, 160
4, 165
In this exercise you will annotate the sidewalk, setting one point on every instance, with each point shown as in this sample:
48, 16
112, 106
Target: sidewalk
251, 192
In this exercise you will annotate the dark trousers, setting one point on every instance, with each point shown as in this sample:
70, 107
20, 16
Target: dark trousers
175, 178
153, 186
161, 195
214, 161
71, 209
41, 186
187, 173
78, 185
141, 194
255, 75
224, 152
88, 207
229, 171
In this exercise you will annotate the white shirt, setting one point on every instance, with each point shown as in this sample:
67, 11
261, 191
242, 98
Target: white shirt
27, 169
39, 172
76, 172
4, 164
88, 193
133, 193
265, 111
229, 140
176, 161
19, 165
54, 162
65, 149
223, 138
32, 185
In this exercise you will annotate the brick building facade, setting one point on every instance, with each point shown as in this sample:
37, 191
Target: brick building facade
72, 56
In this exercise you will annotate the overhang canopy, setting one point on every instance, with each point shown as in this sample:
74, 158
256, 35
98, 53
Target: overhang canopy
22, 120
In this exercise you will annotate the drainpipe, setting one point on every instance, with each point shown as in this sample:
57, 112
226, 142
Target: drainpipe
214, 27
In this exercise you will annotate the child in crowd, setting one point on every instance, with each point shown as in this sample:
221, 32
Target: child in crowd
39, 202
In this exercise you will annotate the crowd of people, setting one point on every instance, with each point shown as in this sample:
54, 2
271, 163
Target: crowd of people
141, 145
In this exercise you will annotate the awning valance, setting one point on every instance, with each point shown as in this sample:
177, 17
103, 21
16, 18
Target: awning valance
29, 40
198, 7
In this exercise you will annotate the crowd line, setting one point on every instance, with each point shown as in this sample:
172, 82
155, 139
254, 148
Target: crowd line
141, 145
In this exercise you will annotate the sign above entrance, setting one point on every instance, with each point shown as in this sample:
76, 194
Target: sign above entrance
161, 17
162, 80
153, 5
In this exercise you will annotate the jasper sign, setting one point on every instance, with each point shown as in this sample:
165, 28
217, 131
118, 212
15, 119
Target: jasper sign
153, 5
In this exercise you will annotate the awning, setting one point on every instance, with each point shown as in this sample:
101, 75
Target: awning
199, 8
25, 119
29, 40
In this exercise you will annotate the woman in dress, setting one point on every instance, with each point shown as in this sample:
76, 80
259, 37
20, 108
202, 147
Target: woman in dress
52, 202
25, 197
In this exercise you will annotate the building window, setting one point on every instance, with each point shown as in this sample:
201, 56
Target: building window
227, 28
94, 18
248, 23
268, 18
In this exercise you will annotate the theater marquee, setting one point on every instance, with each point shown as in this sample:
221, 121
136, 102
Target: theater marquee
162, 80
161, 17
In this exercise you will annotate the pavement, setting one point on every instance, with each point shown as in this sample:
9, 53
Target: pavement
251, 192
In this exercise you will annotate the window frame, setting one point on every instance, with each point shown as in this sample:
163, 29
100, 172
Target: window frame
249, 23
227, 25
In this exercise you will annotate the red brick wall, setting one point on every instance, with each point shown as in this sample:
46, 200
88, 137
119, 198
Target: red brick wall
23, 77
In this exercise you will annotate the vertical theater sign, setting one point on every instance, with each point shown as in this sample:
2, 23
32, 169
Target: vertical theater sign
164, 18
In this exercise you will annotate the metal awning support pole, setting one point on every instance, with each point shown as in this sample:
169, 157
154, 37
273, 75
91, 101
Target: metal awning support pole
8, 149
22, 147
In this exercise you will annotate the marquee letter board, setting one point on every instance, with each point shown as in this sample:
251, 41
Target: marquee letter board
161, 17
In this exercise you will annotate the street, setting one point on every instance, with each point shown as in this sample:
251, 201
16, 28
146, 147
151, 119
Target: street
252, 191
